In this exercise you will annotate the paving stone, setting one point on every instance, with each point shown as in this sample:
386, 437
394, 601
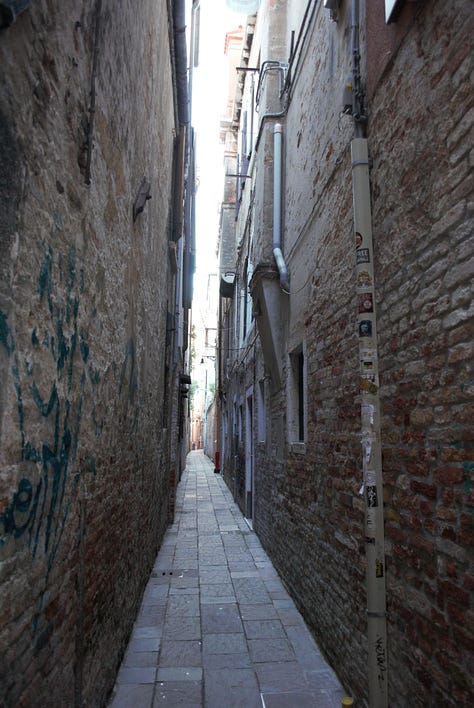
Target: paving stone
232, 688
139, 696
185, 694
281, 676
245, 574
275, 585
240, 565
136, 675
218, 590
265, 650
237, 660
140, 659
250, 591
180, 653
217, 600
144, 644
289, 617
150, 614
221, 618
297, 699
183, 673
240, 557
184, 591
263, 629
182, 628
182, 581
163, 562
323, 677
146, 632
258, 612
187, 606
303, 699
305, 647
224, 643
284, 604
211, 575
157, 590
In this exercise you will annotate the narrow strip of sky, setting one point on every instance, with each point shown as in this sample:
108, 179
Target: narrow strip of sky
210, 89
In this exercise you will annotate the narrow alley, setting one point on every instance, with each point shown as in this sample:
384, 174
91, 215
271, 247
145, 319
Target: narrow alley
216, 627
239, 231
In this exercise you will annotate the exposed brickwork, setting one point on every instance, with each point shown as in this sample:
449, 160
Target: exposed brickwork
308, 511
83, 302
426, 340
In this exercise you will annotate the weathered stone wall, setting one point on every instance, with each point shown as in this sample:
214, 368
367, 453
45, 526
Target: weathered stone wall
309, 513
83, 301
423, 225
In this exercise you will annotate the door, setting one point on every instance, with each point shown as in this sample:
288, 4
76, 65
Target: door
249, 476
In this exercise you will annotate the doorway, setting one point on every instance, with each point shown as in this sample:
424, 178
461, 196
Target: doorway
249, 475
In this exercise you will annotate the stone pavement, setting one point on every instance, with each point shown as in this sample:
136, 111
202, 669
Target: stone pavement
216, 627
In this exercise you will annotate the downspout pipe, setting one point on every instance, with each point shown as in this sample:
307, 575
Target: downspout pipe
369, 389
358, 114
370, 431
179, 27
277, 190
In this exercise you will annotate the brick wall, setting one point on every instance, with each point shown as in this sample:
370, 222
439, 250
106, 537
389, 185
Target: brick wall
309, 514
425, 266
84, 469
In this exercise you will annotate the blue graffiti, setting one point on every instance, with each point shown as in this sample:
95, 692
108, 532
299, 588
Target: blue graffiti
49, 417
40, 506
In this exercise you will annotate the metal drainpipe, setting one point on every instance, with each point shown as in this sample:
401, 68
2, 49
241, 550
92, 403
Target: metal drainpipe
369, 387
277, 252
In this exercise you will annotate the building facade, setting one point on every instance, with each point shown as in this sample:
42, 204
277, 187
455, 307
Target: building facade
96, 280
346, 332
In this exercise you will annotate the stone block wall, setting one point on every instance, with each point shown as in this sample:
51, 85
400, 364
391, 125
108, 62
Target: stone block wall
83, 304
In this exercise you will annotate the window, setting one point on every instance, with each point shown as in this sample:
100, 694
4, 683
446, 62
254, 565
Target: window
297, 396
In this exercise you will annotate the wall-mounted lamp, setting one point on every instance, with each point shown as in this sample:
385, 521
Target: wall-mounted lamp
206, 356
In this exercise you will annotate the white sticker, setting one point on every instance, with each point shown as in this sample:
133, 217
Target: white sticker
367, 410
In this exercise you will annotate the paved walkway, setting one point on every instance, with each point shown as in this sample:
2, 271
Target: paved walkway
216, 627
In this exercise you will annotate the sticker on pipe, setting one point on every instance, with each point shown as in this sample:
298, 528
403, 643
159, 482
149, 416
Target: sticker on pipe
368, 354
370, 478
365, 328
363, 256
363, 279
368, 386
370, 519
372, 501
366, 303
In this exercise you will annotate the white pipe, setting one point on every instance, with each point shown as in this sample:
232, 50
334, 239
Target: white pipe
277, 252
370, 429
